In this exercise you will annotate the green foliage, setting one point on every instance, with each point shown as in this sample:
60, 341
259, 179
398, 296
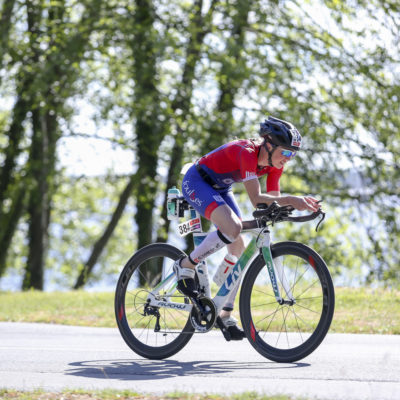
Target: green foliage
82, 212
172, 80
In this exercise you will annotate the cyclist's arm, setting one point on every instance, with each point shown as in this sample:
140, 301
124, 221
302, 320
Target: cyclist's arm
253, 189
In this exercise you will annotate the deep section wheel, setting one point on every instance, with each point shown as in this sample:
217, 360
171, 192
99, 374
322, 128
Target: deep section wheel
154, 332
291, 329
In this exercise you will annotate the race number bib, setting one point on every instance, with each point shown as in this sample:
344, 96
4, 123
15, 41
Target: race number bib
189, 226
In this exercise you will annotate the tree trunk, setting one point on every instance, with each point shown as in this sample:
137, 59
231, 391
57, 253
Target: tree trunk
41, 173
199, 27
46, 131
103, 240
146, 107
9, 216
9, 223
5, 25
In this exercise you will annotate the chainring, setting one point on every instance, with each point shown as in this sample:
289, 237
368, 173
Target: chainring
206, 322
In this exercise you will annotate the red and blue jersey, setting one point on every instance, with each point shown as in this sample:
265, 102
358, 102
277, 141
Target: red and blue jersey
233, 162
237, 161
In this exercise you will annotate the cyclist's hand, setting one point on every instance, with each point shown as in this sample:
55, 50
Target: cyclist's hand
302, 203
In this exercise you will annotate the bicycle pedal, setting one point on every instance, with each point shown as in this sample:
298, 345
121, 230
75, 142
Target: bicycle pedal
224, 329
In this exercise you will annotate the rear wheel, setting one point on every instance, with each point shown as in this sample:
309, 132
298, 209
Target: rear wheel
290, 331
151, 332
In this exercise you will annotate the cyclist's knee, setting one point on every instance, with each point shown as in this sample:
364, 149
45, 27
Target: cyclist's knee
227, 222
232, 230
237, 228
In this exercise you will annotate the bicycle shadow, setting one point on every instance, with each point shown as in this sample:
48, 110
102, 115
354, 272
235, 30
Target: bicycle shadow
164, 369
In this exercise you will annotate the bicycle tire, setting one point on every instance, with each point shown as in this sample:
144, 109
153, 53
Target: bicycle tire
305, 323
137, 328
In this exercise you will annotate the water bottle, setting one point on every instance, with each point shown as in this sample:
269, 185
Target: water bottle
172, 203
224, 269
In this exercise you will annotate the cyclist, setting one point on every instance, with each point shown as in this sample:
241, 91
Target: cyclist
207, 186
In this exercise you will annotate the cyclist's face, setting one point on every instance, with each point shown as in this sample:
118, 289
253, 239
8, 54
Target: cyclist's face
279, 157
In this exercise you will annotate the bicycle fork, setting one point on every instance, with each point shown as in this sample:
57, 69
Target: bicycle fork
275, 269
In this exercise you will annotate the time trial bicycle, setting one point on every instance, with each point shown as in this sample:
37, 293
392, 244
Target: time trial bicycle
286, 298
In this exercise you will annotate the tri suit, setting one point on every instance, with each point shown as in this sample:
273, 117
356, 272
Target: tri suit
208, 183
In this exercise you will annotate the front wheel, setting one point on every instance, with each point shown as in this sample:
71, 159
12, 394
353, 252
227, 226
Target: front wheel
290, 330
150, 331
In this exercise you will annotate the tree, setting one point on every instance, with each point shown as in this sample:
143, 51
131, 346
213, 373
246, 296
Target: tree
188, 76
292, 57
46, 76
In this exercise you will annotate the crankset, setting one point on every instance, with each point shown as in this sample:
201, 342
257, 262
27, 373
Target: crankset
203, 314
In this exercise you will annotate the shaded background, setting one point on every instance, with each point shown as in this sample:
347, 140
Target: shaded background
102, 102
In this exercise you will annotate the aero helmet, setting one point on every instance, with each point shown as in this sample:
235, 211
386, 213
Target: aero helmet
280, 133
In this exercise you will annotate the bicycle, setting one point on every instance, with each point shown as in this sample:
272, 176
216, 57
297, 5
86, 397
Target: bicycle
286, 299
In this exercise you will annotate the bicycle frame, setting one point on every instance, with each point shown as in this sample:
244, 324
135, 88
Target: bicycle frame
262, 242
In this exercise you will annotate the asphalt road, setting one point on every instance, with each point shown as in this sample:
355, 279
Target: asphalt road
54, 357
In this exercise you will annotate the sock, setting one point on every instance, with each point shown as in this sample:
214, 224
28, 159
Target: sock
212, 242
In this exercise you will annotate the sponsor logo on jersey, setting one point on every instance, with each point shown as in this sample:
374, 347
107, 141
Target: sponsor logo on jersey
218, 198
191, 193
250, 175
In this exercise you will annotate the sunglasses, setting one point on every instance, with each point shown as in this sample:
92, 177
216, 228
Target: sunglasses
288, 153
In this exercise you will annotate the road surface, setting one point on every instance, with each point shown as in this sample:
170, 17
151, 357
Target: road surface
54, 358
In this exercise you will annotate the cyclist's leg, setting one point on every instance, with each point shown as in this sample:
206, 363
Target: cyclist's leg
212, 205
229, 227
237, 247
235, 250
209, 203
224, 213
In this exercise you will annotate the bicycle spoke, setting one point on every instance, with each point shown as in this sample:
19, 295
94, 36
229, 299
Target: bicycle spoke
283, 324
273, 316
308, 309
295, 283
264, 304
255, 290
295, 274
309, 298
310, 327
297, 323
172, 316
308, 288
146, 327
166, 329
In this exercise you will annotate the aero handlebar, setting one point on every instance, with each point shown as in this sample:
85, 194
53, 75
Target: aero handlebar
273, 213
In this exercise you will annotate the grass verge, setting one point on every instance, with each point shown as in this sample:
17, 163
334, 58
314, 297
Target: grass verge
126, 395
363, 310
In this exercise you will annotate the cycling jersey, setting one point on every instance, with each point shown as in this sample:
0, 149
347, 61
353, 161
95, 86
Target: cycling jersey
236, 161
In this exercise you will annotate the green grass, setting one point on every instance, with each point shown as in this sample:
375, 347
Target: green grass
68, 308
357, 310
126, 395
367, 311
